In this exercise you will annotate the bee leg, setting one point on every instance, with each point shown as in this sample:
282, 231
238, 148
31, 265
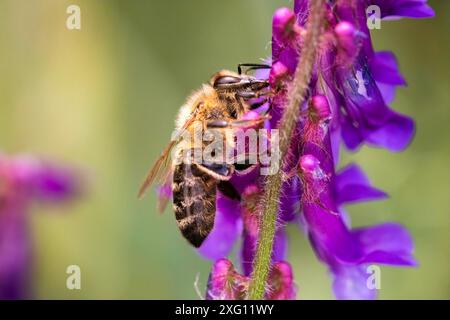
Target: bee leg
236, 123
217, 124
219, 171
247, 95
258, 104
243, 168
270, 106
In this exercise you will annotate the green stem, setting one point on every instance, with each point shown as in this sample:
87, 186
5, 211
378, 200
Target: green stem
295, 97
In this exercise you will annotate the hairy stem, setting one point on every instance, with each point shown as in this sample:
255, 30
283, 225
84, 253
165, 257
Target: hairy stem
295, 97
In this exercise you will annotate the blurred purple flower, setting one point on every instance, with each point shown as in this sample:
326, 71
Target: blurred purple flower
23, 180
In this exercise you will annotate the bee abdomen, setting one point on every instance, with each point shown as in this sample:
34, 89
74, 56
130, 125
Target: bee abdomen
194, 202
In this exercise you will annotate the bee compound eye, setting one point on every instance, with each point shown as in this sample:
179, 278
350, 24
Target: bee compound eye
226, 80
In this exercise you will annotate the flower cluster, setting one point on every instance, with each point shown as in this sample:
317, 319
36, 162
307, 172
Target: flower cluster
347, 102
24, 179
225, 283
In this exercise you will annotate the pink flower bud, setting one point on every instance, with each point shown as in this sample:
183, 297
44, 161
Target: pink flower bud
346, 35
283, 23
278, 74
225, 283
320, 106
281, 282
286, 31
309, 163
250, 211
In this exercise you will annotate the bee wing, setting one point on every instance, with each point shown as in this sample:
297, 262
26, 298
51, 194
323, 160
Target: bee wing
165, 192
160, 170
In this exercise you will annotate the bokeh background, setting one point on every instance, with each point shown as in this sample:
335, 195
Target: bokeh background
104, 99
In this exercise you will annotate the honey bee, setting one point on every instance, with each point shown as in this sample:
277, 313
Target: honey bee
218, 104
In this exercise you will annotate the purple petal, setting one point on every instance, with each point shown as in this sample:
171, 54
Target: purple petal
55, 183
394, 9
14, 254
227, 228
385, 69
350, 282
335, 138
395, 135
352, 185
351, 136
249, 248
280, 245
363, 100
388, 92
388, 243
290, 200
46, 180
301, 10
247, 253
367, 117
329, 236
386, 73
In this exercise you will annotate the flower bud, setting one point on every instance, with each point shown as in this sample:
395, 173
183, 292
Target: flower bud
281, 282
320, 106
278, 74
346, 35
250, 214
309, 163
286, 31
225, 283
283, 24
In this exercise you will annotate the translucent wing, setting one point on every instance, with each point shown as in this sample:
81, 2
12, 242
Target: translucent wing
164, 192
160, 171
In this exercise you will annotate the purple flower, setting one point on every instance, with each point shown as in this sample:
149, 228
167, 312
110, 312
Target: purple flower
348, 101
24, 179
346, 252
225, 283
240, 219
394, 9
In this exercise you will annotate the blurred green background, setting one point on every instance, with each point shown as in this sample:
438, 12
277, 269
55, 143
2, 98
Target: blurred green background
104, 99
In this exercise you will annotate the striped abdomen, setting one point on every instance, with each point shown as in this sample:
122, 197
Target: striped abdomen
194, 202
